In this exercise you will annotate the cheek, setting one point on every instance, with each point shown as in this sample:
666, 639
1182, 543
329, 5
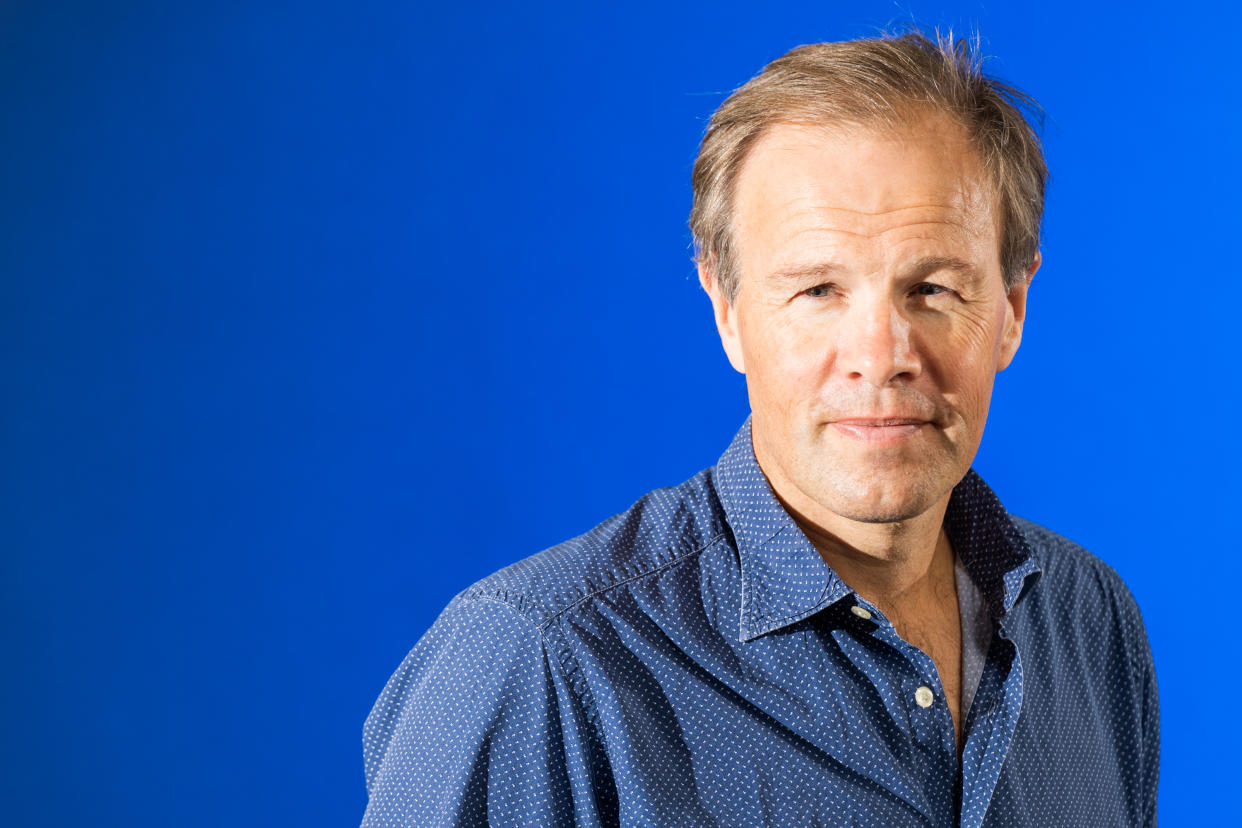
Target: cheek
786, 362
976, 334
965, 356
966, 368
974, 394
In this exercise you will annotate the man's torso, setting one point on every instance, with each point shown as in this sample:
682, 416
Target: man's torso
705, 669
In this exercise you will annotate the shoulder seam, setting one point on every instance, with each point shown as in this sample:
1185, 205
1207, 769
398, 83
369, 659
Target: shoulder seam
556, 615
567, 664
572, 671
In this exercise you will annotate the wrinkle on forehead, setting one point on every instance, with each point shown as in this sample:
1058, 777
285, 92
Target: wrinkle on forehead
812, 186
866, 224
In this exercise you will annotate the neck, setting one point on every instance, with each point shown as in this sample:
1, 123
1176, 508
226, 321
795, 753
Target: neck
884, 562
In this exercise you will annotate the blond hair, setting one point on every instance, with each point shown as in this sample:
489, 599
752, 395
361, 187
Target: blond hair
883, 81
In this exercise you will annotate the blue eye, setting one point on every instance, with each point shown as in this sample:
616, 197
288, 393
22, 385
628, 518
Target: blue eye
819, 291
928, 289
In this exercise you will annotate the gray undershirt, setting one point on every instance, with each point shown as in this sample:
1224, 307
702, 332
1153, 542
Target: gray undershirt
976, 633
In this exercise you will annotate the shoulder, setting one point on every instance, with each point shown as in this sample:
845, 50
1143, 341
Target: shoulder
1061, 559
662, 528
1077, 582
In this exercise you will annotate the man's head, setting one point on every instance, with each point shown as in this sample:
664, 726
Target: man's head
877, 83
867, 219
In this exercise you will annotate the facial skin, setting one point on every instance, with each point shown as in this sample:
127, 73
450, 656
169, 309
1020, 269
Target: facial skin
870, 321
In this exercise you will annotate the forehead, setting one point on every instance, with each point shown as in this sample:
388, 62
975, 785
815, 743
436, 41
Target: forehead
814, 186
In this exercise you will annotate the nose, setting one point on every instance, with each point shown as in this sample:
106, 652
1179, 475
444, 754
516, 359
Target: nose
876, 343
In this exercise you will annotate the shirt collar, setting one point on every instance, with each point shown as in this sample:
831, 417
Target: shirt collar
784, 578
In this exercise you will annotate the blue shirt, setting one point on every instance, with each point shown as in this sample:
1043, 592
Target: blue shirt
693, 661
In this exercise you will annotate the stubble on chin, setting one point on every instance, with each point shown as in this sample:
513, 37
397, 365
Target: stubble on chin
888, 489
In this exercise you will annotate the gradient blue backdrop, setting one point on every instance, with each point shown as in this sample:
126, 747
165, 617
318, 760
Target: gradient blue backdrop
315, 313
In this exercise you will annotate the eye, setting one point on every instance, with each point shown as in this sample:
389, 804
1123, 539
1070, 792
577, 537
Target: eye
929, 289
820, 291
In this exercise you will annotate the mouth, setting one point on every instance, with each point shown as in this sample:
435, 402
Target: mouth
880, 430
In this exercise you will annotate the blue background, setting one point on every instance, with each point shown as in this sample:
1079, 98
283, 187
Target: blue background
315, 313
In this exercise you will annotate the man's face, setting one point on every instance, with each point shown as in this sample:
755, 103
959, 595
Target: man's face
871, 316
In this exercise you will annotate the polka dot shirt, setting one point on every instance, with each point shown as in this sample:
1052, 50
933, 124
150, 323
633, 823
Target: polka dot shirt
693, 661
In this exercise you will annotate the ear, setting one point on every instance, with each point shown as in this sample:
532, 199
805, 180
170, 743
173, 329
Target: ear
1015, 314
726, 319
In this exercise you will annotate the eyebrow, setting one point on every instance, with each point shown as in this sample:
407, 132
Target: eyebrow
920, 268
930, 264
800, 272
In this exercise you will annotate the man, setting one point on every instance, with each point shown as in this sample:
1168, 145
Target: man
838, 624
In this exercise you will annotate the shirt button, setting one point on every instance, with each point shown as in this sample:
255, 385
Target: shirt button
860, 612
923, 696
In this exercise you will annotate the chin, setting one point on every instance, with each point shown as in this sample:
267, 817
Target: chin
872, 513
883, 498
879, 510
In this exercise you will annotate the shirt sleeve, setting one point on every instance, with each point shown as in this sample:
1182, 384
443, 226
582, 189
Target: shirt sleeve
1151, 723
1146, 700
478, 727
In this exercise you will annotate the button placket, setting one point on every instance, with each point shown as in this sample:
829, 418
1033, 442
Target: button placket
930, 720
